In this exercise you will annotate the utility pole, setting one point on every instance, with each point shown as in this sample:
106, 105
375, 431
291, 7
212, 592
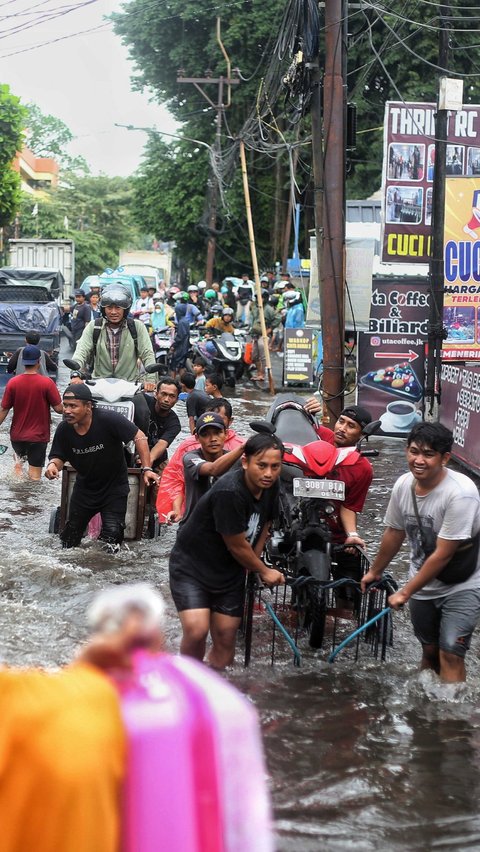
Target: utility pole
437, 266
199, 82
332, 271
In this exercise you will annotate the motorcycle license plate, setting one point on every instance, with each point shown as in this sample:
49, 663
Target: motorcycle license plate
323, 489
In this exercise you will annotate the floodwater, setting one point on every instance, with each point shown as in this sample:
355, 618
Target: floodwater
361, 756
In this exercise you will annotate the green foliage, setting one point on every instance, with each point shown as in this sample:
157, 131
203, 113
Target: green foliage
11, 137
49, 136
98, 212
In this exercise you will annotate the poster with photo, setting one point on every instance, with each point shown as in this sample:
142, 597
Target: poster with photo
391, 361
408, 173
461, 311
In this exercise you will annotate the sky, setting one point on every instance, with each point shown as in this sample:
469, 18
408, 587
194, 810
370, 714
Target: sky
83, 79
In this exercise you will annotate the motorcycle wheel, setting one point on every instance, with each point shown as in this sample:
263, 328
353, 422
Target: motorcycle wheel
317, 615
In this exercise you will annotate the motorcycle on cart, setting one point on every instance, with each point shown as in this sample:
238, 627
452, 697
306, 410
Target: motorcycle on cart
116, 395
319, 572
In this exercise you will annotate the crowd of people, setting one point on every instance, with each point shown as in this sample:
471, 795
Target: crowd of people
222, 490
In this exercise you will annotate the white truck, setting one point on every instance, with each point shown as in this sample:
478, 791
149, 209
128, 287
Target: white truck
46, 254
154, 266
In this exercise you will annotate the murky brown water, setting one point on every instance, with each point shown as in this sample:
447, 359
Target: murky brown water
365, 757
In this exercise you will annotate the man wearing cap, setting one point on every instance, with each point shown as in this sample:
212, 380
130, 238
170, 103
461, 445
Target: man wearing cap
201, 467
92, 441
81, 314
31, 396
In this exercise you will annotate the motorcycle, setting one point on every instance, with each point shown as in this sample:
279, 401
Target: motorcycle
301, 544
111, 394
224, 355
162, 342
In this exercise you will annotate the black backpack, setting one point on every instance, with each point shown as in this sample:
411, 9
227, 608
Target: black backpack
98, 327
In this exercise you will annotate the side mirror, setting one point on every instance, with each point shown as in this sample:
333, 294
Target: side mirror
71, 364
372, 428
262, 426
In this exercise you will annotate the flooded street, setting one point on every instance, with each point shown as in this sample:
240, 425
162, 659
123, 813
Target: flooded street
361, 756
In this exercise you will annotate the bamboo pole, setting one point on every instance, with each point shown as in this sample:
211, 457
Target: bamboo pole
253, 251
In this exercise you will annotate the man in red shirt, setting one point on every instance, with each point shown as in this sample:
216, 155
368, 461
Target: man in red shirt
31, 396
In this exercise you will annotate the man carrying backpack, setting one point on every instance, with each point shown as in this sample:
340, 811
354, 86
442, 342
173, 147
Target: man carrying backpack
115, 344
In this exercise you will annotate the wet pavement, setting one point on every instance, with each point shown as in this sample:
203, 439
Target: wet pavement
361, 756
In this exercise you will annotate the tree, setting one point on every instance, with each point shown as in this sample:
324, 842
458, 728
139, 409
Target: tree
12, 116
48, 136
93, 211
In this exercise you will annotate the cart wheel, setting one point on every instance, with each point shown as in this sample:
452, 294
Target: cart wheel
54, 524
318, 614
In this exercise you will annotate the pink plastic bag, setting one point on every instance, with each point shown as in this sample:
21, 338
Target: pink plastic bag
195, 777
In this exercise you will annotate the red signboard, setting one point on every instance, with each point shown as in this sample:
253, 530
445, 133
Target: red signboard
408, 168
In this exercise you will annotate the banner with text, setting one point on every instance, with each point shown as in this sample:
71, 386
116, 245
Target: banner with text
460, 411
299, 356
408, 168
391, 361
462, 269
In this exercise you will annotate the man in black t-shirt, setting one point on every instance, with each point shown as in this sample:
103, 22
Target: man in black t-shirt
218, 544
203, 466
164, 424
93, 441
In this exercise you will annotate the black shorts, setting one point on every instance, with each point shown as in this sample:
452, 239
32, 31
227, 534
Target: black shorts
32, 451
188, 593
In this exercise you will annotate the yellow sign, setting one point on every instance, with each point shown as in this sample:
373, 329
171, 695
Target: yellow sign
461, 313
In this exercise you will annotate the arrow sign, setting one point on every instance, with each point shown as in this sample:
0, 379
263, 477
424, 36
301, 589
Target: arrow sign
391, 356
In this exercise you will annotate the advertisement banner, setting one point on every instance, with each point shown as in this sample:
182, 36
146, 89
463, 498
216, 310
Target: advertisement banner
460, 412
391, 361
462, 269
299, 356
408, 168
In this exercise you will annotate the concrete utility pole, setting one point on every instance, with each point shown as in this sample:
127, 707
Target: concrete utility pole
199, 82
332, 272
437, 266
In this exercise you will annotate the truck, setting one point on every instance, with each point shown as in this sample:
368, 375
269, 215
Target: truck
29, 302
154, 266
46, 254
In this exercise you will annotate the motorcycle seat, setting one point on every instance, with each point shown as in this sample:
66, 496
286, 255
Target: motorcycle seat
293, 426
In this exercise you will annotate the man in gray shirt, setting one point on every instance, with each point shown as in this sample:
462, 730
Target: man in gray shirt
437, 510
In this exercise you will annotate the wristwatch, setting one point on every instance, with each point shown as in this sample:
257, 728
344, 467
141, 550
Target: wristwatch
147, 468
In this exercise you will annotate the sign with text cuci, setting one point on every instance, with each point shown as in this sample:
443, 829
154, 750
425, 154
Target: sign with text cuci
408, 170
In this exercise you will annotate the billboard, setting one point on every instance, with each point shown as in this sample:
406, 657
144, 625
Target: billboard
391, 362
461, 312
408, 169
460, 411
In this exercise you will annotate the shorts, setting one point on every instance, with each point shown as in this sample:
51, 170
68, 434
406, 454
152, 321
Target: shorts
448, 621
32, 451
188, 593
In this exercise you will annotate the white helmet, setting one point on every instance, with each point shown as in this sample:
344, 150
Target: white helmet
201, 285
192, 289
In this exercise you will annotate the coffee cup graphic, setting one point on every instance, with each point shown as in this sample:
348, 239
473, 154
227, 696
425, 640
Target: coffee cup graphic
401, 414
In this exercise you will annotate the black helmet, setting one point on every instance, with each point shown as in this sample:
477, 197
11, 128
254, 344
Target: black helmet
116, 295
